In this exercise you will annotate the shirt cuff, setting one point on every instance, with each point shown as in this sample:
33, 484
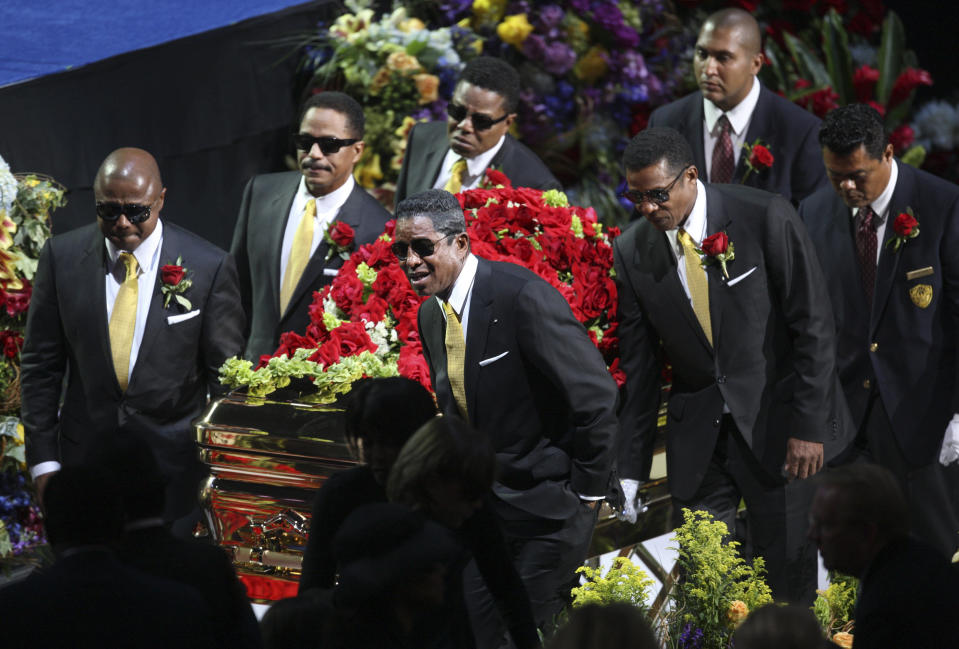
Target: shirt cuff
44, 467
582, 497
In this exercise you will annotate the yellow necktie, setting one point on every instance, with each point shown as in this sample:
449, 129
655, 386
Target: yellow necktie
123, 320
696, 280
457, 174
456, 358
299, 254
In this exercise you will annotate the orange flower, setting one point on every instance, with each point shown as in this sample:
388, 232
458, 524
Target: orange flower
428, 86
402, 62
843, 639
737, 612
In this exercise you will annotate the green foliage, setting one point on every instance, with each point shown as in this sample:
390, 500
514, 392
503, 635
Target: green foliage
839, 62
624, 582
834, 606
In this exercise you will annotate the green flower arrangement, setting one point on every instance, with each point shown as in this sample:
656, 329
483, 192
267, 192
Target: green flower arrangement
834, 607
624, 582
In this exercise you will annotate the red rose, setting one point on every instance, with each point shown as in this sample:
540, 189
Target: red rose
412, 365
761, 158
172, 274
907, 82
865, 79
905, 224
715, 244
12, 343
494, 177
18, 302
342, 234
291, 341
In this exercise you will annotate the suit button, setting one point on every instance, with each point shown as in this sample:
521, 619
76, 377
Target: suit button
874, 347
720, 380
867, 384
716, 422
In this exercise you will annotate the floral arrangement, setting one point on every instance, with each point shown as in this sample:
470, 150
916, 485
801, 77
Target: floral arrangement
834, 607
719, 588
364, 322
26, 201
623, 582
174, 283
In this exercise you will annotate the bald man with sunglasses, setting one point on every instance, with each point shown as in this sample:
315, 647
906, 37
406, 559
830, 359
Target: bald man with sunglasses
454, 155
130, 320
282, 249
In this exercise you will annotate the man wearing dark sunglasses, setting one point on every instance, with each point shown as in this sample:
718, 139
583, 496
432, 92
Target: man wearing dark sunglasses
134, 358
454, 154
280, 246
528, 376
756, 406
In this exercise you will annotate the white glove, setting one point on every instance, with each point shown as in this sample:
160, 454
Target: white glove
949, 452
632, 502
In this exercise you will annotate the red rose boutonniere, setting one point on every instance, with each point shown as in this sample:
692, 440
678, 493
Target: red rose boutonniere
758, 158
340, 237
174, 284
905, 227
717, 249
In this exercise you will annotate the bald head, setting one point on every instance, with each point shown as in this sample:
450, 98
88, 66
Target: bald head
129, 195
739, 22
728, 57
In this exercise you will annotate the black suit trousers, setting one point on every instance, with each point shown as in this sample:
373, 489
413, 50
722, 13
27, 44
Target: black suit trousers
776, 514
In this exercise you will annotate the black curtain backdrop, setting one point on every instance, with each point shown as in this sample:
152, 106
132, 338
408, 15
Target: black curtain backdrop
215, 109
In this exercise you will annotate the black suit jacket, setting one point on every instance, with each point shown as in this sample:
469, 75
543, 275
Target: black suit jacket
535, 384
257, 246
914, 362
428, 144
68, 336
790, 133
773, 358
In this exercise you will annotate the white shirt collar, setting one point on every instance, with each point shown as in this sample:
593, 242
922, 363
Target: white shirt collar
463, 285
738, 116
881, 205
478, 164
695, 223
328, 202
145, 253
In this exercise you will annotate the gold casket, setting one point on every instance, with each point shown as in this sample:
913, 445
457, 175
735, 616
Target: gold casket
267, 457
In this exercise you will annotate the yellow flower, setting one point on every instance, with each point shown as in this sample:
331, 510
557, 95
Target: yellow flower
843, 639
19, 437
514, 29
592, 66
488, 11
737, 612
412, 25
352, 27
380, 79
402, 62
404, 130
368, 172
428, 86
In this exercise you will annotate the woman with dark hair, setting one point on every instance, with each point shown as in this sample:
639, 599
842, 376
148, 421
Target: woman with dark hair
446, 471
380, 416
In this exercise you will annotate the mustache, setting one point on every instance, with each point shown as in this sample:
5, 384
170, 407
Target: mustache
316, 166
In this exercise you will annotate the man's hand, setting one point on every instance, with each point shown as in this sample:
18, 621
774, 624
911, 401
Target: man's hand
40, 482
949, 452
803, 459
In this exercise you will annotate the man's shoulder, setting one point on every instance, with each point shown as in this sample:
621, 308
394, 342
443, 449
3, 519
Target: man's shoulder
177, 237
799, 117
925, 183
275, 181
75, 240
743, 196
371, 208
429, 130
677, 110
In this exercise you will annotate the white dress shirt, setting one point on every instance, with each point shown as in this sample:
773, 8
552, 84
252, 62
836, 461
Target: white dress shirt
739, 118
327, 207
474, 167
695, 225
462, 293
881, 207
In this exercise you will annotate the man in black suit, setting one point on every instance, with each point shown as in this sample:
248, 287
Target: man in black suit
138, 315
455, 155
896, 300
908, 591
282, 243
755, 406
528, 376
731, 108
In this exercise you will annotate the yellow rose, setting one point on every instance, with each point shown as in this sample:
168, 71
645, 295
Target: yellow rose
514, 29
843, 639
368, 172
402, 62
592, 66
737, 612
379, 81
428, 86
412, 25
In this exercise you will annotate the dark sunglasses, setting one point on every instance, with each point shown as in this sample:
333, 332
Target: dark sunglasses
480, 121
422, 247
658, 196
135, 213
328, 145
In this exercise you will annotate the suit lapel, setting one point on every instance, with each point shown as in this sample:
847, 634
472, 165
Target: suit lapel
889, 260
156, 316
481, 308
278, 211
434, 339
432, 162
717, 220
759, 124
91, 271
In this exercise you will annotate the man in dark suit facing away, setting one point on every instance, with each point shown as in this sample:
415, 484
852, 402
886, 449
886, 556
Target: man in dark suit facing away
731, 108
137, 315
896, 299
507, 355
282, 242
455, 154
726, 278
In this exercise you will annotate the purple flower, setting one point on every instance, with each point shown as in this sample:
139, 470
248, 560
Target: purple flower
579, 6
625, 35
608, 16
550, 16
560, 58
452, 9
534, 47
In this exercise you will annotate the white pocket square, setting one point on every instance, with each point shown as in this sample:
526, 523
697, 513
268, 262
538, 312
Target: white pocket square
736, 280
331, 272
487, 361
173, 319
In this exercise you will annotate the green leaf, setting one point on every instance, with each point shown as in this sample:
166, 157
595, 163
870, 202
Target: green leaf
807, 62
776, 68
890, 56
836, 46
182, 301
26, 266
915, 156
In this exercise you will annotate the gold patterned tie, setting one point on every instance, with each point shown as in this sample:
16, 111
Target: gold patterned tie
299, 254
696, 280
457, 174
123, 320
456, 358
